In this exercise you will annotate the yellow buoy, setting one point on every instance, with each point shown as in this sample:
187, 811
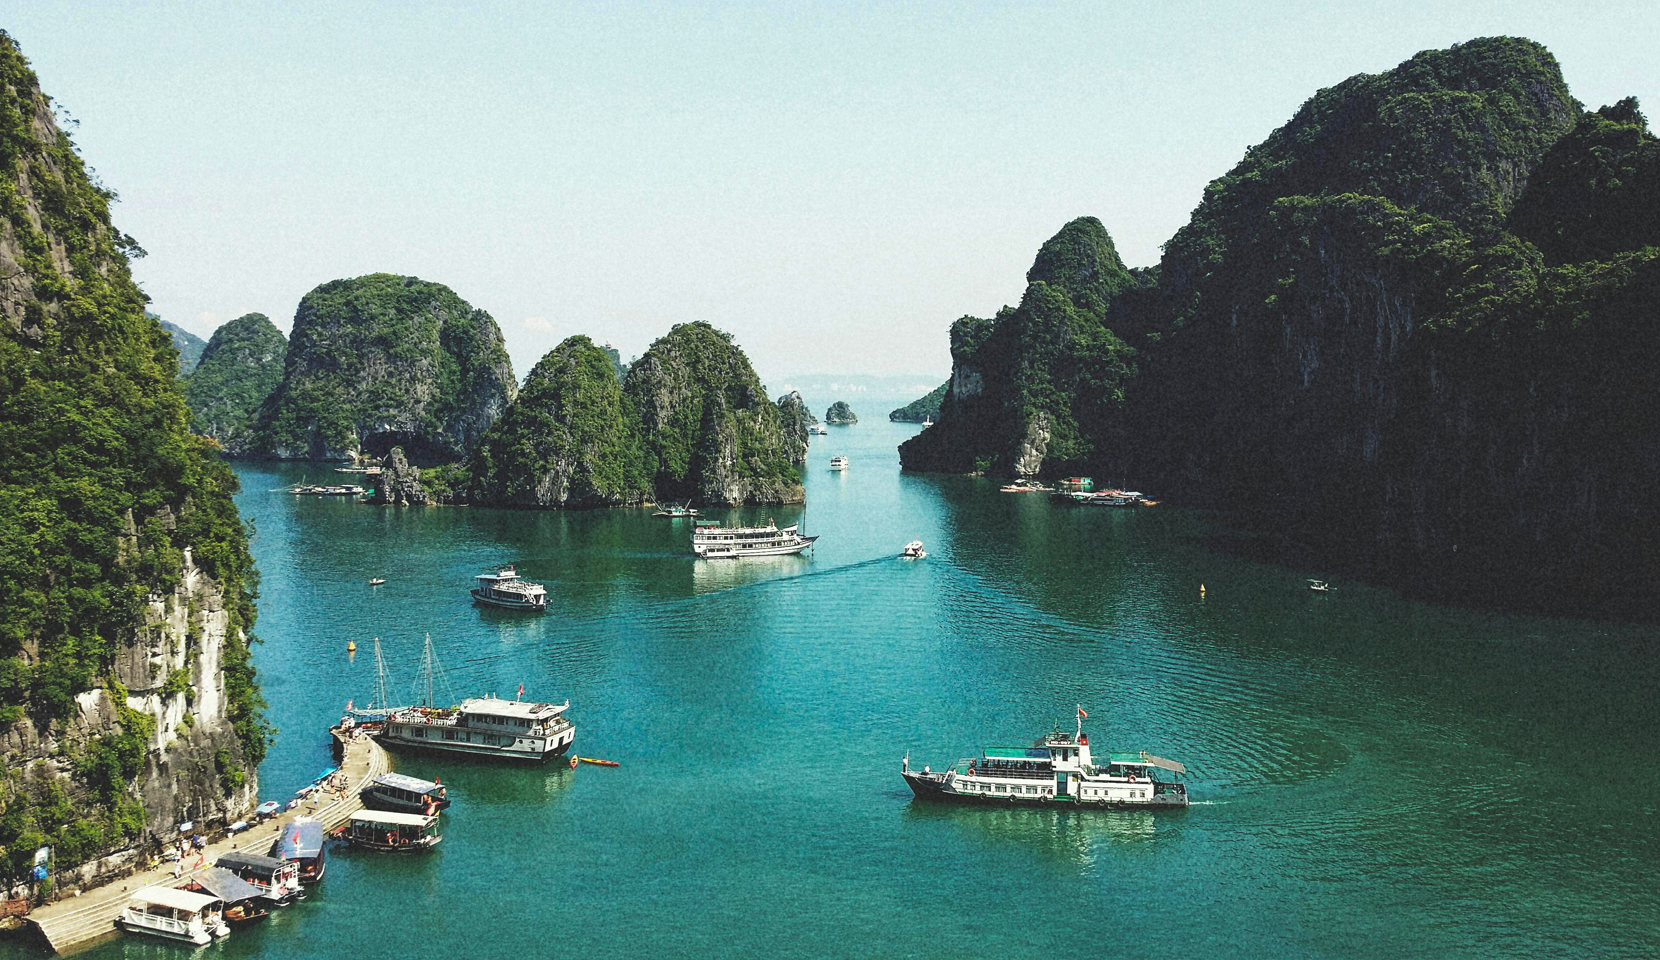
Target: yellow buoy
1201, 591
351, 646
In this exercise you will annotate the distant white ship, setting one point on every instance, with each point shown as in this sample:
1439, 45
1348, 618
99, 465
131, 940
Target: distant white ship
507, 589
838, 463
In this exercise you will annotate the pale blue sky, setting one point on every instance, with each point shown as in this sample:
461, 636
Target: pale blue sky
834, 184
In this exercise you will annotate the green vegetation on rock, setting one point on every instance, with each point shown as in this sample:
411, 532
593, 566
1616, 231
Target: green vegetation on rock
570, 439
242, 364
840, 413
923, 408
381, 361
709, 432
189, 345
102, 488
1411, 335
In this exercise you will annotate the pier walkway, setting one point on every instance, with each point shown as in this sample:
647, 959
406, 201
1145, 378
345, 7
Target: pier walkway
75, 922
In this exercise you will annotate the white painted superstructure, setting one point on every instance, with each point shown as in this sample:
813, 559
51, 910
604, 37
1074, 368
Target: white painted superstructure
485, 726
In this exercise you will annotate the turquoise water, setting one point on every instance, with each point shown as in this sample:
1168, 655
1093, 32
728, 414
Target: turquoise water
1375, 778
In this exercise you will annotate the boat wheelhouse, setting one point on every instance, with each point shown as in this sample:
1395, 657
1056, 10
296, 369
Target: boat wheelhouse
244, 902
711, 541
301, 843
279, 879
392, 831
175, 915
1059, 768
506, 589
404, 794
485, 726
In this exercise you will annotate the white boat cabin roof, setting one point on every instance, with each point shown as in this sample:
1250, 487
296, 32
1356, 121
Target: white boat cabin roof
503, 575
176, 899
520, 709
392, 819
402, 781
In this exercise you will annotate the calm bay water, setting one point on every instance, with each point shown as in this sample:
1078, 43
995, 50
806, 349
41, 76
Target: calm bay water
1374, 777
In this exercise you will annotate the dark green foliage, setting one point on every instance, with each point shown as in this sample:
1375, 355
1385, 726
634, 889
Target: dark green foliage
1598, 190
381, 361
102, 485
840, 412
570, 439
1082, 261
242, 364
617, 365
922, 408
189, 345
709, 431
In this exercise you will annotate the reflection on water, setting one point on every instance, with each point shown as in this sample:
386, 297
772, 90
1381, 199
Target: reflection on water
709, 576
1073, 836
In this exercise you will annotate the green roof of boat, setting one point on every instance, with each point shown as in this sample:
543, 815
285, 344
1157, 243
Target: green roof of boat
1016, 753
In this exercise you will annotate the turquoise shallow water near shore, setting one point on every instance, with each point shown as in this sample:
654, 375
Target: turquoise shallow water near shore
1375, 777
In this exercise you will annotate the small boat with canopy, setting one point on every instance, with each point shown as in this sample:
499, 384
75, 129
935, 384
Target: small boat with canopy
392, 832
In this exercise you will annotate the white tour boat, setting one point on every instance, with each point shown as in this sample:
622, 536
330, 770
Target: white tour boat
176, 915
711, 541
1057, 769
484, 726
505, 589
913, 551
838, 463
393, 832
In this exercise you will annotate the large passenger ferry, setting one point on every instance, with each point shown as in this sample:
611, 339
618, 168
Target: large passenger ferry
711, 541
485, 726
1056, 769
506, 589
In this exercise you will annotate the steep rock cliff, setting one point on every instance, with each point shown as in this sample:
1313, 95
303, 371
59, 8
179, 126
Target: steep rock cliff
709, 432
571, 439
792, 409
1032, 389
238, 369
127, 700
400, 484
189, 345
382, 361
840, 413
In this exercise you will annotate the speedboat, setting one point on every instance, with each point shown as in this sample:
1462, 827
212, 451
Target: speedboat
377, 581
1319, 586
913, 551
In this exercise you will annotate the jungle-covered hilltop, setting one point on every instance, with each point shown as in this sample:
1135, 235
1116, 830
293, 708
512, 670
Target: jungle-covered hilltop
1414, 334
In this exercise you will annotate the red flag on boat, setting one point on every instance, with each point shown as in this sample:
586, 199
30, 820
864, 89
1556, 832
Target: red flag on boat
521, 692
1082, 715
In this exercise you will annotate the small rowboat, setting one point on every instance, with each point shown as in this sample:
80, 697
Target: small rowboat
376, 582
600, 763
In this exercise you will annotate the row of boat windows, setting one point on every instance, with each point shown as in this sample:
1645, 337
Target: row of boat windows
488, 739
1041, 791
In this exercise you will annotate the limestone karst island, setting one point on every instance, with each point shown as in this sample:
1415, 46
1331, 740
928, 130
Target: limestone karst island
436, 515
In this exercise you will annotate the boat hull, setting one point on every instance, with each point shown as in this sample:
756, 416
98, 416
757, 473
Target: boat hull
393, 847
479, 597
458, 749
932, 787
377, 801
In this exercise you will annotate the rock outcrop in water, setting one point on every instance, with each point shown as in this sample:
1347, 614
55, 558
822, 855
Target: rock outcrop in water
1412, 333
922, 409
709, 432
382, 361
127, 699
239, 368
840, 414
400, 483
569, 440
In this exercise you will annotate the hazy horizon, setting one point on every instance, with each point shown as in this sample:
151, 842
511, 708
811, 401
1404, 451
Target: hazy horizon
832, 186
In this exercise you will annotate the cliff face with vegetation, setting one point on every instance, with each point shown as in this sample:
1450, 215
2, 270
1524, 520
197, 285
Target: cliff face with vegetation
382, 361
571, 439
127, 698
840, 413
238, 369
708, 431
926, 407
1412, 334
1033, 389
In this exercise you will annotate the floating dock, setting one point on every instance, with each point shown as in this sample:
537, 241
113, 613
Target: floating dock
76, 922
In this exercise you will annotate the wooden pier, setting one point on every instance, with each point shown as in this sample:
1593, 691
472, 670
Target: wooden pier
76, 922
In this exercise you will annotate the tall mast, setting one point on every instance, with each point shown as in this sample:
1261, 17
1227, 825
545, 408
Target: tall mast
380, 673
428, 666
